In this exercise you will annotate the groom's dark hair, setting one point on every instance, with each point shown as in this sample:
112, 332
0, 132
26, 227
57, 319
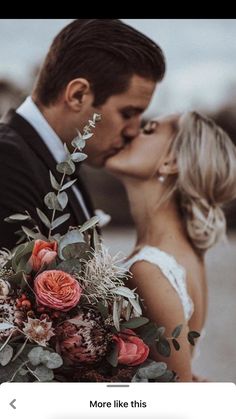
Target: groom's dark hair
106, 52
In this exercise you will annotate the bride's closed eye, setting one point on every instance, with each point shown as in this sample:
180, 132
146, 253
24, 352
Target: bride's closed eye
150, 127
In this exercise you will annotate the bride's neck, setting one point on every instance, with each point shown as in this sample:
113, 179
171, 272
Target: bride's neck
155, 221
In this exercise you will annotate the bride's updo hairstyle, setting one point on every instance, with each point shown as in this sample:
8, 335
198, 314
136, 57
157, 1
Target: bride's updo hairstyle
206, 160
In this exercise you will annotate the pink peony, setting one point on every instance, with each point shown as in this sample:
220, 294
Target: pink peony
132, 350
57, 290
43, 253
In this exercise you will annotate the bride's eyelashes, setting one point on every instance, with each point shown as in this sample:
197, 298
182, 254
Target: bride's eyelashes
150, 127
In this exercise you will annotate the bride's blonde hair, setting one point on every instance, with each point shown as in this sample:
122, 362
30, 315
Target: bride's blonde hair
206, 160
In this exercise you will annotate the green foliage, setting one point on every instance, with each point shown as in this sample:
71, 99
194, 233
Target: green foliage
163, 347
112, 357
191, 336
38, 356
57, 200
6, 355
150, 371
176, 332
134, 323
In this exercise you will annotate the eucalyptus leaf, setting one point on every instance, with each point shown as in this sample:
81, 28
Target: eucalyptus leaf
6, 355
176, 344
70, 265
43, 218
167, 377
17, 217
23, 250
51, 359
43, 373
89, 224
60, 220
163, 347
124, 291
135, 322
62, 199
150, 371
51, 201
176, 332
96, 240
97, 117
35, 355
66, 167
148, 333
30, 233
54, 182
77, 157
79, 133
76, 251
136, 306
73, 236
78, 143
68, 185
191, 336
160, 332
116, 317
24, 264
112, 357
87, 136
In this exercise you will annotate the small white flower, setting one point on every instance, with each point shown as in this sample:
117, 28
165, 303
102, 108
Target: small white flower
39, 331
4, 289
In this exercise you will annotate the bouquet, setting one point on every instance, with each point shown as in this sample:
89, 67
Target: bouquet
66, 313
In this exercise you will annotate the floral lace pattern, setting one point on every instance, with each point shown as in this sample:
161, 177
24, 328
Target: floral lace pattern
174, 272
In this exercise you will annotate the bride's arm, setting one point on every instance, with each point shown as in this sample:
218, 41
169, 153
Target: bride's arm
163, 306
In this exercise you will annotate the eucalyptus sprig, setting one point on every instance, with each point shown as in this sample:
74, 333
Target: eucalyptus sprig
57, 200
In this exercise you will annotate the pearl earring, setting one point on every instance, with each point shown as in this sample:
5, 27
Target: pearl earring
161, 178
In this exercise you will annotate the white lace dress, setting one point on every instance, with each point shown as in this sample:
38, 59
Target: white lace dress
174, 272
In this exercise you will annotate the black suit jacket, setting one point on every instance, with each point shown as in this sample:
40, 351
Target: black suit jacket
25, 162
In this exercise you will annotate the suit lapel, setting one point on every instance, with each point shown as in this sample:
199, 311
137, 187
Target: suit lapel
35, 142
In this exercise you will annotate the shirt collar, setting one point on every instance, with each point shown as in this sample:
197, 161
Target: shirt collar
29, 111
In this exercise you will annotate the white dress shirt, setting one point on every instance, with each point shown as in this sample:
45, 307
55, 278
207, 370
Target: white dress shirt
29, 111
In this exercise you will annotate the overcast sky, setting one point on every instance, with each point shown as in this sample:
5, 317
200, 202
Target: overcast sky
200, 54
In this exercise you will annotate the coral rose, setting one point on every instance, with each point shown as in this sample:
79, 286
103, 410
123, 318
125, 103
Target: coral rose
43, 253
131, 349
57, 290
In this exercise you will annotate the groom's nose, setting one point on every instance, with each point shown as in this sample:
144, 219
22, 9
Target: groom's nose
132, 128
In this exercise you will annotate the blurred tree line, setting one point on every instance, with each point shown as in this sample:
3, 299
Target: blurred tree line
107, 192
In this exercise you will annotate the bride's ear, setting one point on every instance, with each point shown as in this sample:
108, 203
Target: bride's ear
169, 166
78, 94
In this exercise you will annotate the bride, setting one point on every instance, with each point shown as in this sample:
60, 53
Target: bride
178, 172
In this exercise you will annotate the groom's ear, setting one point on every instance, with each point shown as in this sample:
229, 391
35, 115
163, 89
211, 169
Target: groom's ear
169, 166
77, 94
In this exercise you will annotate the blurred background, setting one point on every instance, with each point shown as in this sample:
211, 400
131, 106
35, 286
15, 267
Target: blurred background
201, 62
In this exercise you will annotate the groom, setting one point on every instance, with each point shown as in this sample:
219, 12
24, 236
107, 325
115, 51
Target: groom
93, 65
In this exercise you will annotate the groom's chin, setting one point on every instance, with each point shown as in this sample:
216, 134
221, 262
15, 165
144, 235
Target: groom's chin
111, 164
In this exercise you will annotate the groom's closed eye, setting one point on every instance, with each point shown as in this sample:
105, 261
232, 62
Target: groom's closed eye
130, 112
